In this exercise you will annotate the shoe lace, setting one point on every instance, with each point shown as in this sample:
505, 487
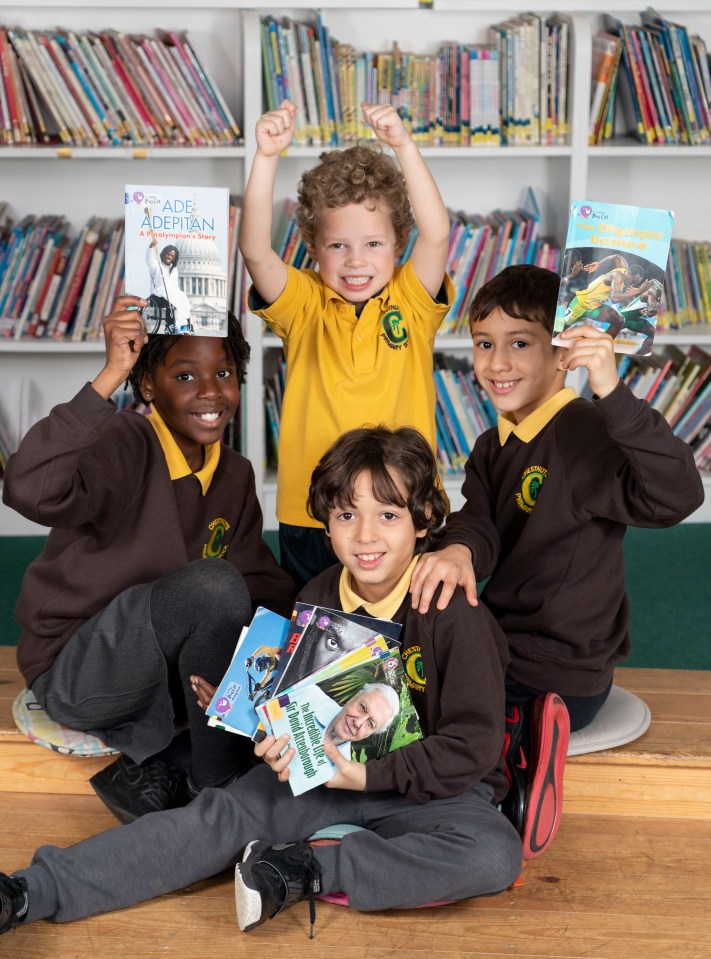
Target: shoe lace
302, 857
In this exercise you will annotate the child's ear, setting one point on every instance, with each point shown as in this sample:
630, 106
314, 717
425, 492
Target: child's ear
561, 355
146, 387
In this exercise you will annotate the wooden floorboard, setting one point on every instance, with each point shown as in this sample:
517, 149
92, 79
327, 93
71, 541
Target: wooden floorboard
608, 888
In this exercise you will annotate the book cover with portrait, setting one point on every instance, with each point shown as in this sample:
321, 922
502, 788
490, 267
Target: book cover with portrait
365, 711
177, 250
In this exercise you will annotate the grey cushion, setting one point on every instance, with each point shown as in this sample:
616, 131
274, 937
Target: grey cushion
623, 718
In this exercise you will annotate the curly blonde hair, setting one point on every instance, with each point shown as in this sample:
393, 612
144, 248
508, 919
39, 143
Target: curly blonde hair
359, 174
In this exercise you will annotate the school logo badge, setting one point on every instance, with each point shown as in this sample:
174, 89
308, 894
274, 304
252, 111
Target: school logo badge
215, 547
414, 669
394, 329
531, 482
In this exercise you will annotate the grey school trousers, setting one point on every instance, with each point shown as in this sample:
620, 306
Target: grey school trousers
411, 854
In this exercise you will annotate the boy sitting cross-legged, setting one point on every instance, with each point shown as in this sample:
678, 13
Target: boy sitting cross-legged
432, 830
549, 493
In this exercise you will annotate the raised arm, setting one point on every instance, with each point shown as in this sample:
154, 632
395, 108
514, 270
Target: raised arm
274, 132
429, 256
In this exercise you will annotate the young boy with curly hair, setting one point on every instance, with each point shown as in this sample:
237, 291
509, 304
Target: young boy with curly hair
430, 827
358, 334
153, 563
549, 493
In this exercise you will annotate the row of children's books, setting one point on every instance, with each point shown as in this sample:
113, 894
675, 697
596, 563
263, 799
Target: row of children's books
678, 385
510, 90
56, 284
108, 89
687, 288
322, 676
661, 72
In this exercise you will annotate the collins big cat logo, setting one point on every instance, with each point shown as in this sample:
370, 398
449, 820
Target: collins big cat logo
531, 483
394, 329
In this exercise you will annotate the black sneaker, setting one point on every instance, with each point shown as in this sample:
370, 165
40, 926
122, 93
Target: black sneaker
13, 894
130, 791
271, 878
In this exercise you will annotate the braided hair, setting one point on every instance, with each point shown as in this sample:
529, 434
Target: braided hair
154, 352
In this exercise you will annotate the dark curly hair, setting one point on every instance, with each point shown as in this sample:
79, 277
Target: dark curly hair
154, 352
378, 450
524, 292
359, 174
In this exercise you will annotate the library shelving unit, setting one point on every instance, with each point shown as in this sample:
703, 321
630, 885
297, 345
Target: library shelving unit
226, 35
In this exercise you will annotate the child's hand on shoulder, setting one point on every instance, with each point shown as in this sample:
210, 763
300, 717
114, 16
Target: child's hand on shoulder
452, 566
349, 775
386, 123
594, 350
275, 129
271, 749
124, 336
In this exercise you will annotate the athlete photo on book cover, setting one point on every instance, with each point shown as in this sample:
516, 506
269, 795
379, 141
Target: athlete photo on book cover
177, 256
613, 272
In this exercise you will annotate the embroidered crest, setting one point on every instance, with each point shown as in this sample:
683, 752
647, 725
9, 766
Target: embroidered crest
215, 548
531, 482
394, 329
414, 669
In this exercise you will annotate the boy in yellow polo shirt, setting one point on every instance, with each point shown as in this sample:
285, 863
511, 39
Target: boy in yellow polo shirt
359, 334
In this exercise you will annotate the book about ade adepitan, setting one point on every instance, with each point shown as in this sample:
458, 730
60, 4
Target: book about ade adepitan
613, 272
177, 241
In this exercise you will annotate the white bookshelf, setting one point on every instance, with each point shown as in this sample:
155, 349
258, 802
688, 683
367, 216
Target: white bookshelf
84, 181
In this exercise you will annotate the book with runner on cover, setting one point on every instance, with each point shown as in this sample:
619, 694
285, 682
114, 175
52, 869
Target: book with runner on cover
613, 272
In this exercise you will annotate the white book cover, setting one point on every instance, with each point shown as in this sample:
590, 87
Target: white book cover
177, 241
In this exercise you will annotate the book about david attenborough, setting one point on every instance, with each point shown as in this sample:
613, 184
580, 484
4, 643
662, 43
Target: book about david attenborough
613, 271
177, 256
365, 711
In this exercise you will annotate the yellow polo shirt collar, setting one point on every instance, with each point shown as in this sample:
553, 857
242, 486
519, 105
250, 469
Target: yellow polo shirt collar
527, 429
384, 608
177, 464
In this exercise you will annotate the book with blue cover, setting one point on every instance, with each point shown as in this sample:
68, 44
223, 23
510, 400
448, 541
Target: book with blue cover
249, 677
613, 272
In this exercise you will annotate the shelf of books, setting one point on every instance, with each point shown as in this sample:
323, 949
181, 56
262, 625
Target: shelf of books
610, 106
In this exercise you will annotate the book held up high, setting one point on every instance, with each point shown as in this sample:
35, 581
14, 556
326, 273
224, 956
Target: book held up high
613, 272
177, 256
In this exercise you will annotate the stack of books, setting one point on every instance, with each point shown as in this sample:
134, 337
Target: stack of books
511, 90
323, 676
108, 89
678, 385
687, 288
664, 81
463, 411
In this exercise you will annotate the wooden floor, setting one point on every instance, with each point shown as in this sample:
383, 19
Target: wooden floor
626, 878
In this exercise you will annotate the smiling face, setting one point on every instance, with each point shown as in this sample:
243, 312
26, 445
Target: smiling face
196, 391
356, 249
375, 541
362, 715
515, 363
